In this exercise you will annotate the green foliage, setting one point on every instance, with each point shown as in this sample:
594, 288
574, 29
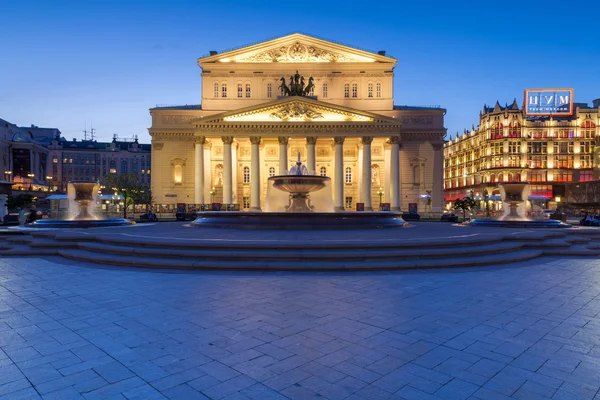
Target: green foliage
128, 186
486, 200
20, 200
466, 203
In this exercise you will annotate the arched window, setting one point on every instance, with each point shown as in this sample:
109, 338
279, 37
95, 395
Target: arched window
497, 131
509, 177
247, 90
216, 89
378, 89
370, 90
177, 174
493, 178
325, 90
323, 171
224, 90
246, 175
272, 171
348, 175
354, 90
346, 90
269, 90
514, 130
240, 90
588, 129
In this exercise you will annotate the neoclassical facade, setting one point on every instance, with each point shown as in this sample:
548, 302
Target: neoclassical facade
343, 125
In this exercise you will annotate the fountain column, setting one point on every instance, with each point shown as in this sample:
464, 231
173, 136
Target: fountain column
395, 174
338, 192
366, 172
438, 173
283, 161
255, 174
227, 174
311, 160
199, 170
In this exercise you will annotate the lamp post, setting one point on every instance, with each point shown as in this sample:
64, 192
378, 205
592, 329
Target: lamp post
7, 174
380, 192
31, 176
212, 194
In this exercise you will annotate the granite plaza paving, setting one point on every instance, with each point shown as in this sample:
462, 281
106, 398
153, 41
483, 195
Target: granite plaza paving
525, 330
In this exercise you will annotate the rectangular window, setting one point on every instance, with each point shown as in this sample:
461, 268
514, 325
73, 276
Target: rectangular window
370, 90
354, 90
378, 87
55, 160
269, 90
325, 90
246, 201
349, 203
247, 90
240, 91
224, 90
585, 176
216, 90
347, 90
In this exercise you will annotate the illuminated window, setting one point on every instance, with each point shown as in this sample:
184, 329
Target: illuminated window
177, 174
55, 160
346, 90
240, 90
585, 176
563, 176
378, 89
216, 89
348, 175
224, 90
246, 202
588, 130
325, 90
272, 171
247, 90
514, 130
497, 131
370, 90
269, 90
354, 90
585, 161
246, 175
323, 171
349, 202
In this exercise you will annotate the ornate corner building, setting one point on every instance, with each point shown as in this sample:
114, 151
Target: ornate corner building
265, 104
507, 146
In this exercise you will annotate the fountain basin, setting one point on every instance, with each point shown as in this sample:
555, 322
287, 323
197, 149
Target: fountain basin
299, 220
82, 223
299, 188
509, 223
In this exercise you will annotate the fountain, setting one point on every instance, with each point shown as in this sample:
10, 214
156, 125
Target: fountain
81, 197
299, 200
514, 197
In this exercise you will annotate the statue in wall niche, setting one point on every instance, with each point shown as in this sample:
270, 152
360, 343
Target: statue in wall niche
375, 175
218, 175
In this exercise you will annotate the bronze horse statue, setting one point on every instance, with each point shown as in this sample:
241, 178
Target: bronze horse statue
285, 90
296, 86
309, 87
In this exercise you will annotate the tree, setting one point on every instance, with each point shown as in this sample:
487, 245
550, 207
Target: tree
486, 201
466, 203
20, 200
125, 185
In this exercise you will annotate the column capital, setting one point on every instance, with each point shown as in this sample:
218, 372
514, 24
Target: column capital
255, 139
366, 139
437, 146
339, 139
311, 140
227, 139
395, 140
283, 139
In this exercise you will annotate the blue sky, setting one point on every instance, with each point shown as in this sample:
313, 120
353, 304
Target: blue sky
68, 64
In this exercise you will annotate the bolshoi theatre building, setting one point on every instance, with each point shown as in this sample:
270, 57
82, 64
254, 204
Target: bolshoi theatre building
265, 105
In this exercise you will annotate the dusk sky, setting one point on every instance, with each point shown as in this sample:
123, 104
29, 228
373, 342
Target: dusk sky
70, 64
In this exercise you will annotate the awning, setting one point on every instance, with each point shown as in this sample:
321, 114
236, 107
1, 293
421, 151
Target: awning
110, 197
57, 197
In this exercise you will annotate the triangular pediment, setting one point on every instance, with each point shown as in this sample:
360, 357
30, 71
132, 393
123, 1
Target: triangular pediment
297, 48
296, 109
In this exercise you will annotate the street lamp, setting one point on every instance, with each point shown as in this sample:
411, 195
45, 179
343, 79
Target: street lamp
380, 192
31, 176
212, 194
7, 175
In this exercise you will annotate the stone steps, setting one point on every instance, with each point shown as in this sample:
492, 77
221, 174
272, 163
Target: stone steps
297, 265
272, 252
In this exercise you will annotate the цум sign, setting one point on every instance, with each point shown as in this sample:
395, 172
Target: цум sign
548, 102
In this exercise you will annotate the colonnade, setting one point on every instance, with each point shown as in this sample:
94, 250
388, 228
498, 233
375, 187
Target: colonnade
338, 179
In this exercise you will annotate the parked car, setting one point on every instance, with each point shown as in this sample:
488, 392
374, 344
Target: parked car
149, 217
183, 215
450, 217
411, 217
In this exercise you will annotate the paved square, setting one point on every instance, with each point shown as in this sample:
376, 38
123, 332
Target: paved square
523, 331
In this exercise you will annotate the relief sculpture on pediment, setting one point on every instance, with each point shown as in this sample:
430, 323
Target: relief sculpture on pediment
298, 52
295, 112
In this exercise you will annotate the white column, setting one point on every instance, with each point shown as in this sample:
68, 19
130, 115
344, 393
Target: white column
338, 197
311, 160
394, 186
227, 174
438, 173
255, 174
199, 170
366, 172
283, 153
